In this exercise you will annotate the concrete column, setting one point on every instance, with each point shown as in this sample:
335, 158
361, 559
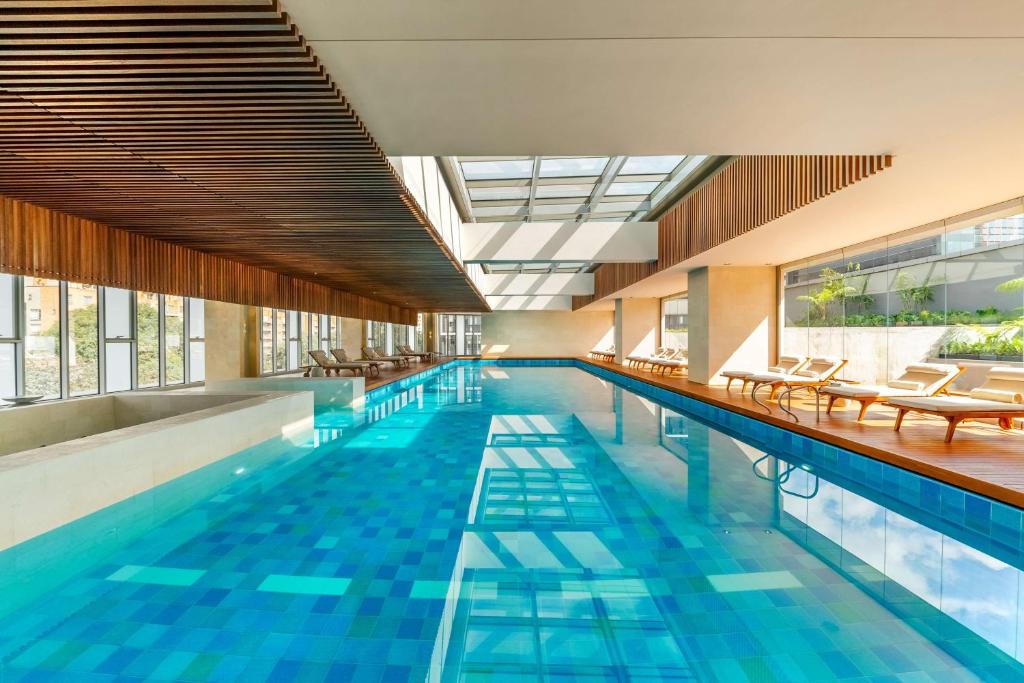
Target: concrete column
636, 326
733, 317
232, 341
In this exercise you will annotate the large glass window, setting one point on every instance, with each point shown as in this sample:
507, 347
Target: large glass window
147, 337
42, 337
294, 336
117, 326
174, 339
67, 339
675, 322
951, 293
280, 341
376, 334
196, 340
267, 340
83, 339
458, 334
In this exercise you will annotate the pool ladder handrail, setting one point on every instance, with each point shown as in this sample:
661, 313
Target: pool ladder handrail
788, 394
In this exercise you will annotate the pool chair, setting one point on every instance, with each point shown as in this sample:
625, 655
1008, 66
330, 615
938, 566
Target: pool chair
406, 350
607, 355
324, 361
786, 365
370, 353
667, 366
919, 380
640, 360
342, 357
816, 373
1000, 397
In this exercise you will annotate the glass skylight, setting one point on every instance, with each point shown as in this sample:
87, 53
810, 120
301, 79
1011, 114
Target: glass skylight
647, 165
572, 167
487, 193
497, 170
622, 188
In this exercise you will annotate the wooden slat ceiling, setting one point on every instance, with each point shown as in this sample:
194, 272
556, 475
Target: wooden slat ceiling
211, 125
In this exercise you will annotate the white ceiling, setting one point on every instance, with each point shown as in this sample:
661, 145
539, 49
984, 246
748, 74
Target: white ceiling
937, 83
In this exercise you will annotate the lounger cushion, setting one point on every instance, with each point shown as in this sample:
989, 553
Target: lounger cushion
907, 385
1003, 372
1001, 395
738, 374
863, 391
808, 373
932, 368
956, 404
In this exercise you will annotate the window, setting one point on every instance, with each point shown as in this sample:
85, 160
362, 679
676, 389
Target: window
674, 322
117, 318
294, 334
83, 339
174, 339
952, 293
418, 338
458, 334
42, 340
67, 339
267, 340
147, 339
196, 340
280, 341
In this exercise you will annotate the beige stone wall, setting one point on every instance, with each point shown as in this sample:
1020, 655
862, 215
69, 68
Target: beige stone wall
544, 333
232, 340
353, 333
637, 322
733, 318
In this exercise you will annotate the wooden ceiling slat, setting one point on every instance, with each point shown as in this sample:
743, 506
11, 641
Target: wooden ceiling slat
213, 126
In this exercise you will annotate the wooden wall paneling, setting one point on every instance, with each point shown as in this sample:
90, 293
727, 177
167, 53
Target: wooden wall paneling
39, 242
211, 125
749, 192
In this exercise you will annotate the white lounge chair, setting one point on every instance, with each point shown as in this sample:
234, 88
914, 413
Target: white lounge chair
786, 366
607, 355
677, 361
816, 373
1000, 397
919, 380
640, 360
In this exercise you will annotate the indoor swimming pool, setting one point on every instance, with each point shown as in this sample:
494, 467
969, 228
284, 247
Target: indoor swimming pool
526, 522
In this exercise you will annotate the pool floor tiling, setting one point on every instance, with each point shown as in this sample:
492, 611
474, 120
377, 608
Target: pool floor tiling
513, 523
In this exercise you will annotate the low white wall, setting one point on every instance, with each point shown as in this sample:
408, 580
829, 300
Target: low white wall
339, 392
45, 424
520, 334
44, 488
877, 354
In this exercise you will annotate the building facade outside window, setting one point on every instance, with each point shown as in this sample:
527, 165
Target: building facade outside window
63, 339
458, 334
286, 337
952, 292
675, 322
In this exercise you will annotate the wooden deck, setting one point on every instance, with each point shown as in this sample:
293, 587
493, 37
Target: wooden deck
389, 374
982, 458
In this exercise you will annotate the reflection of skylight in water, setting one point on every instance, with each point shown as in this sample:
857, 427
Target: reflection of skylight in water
581, 166
652, 164
497, 170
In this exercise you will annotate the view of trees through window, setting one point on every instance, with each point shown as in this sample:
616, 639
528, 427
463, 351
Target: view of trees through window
34, 313
945, 295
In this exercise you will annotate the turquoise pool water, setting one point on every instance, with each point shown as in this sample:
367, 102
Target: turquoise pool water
509, 523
